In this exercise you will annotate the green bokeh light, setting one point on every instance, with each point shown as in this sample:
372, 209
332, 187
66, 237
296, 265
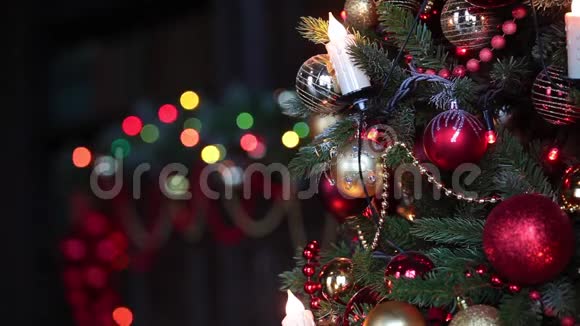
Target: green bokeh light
150, 133
120, 147
245, 120
302, 129
193, 123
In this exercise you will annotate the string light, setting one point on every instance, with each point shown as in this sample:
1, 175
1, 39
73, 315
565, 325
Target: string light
248, 142
259, 152
245, 120
167, 113
132, 125
193, 123
120, 147
210, 154
189, 137
81, 157
189, 100
290, 139
554, 154
490, 136
150, 133
302, 129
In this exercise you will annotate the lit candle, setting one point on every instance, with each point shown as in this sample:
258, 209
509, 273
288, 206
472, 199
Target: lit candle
296, 315
350, 77
573, 40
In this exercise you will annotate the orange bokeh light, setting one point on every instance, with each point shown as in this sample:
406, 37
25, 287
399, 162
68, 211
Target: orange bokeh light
123, 316
81, 157
189, 137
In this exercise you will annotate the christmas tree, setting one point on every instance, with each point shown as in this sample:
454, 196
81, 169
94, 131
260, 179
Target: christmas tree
451, 164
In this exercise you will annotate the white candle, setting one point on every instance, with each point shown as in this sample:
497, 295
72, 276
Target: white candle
296, 315
350, 77
573, 40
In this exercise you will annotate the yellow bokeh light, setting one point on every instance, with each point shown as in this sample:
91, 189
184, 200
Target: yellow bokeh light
210, 154
290, 139
189, 100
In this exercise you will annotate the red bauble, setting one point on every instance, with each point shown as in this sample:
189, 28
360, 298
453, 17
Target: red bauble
409, 265
364, 296
472, 65
491, 3
340, 206
528, 239
454, 137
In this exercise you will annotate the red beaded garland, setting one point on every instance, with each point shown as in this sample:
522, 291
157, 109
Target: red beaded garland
308, 253
472, 65
430, 72
445, 73
481, 269
308, 270
485, 55
310, 287
519, 12
315, 303
498, 42
568, 321
509, 27
459, 71
313, 245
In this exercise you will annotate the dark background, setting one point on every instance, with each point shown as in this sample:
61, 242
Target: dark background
71, 67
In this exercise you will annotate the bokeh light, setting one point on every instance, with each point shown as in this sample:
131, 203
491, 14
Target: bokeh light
123, 316
74, 249
248, 142
245, 120
302, 129
232, 175
210, 154
120, 147
189, 100
177, 185
290, 139
106, 166
284, 98
81, 157
223, 151
167, 113
107, 250
259, 152
132, 125
189, 137
150, 133
192, 123
95, 277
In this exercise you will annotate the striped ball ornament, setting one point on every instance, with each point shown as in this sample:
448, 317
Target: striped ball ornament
551, 97
466, 26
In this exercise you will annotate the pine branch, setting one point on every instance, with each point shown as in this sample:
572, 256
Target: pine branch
510, 74
462, 90
519, 310
517, 172
368, 271
456, 230
396, 230
397, 22
295, 108
560, 297
293, 280
553, 42
403, 123
453, 260
314, 29
342, 249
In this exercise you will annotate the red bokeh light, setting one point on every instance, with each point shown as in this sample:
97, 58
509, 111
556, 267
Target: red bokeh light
249, 142
553, 154
107, 250
74, 249
461, 51
72, 277
95, 277
95, 224
78, 298
167, 113
343, 15
132, 125
123, 316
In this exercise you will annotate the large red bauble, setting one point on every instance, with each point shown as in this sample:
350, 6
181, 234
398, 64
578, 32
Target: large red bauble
454, 137
528, 239
339, 205
491, 3
409, 265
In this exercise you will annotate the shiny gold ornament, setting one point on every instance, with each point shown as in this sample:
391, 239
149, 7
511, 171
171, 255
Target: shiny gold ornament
346, 170
336, 278
551, 97
317, 86
570, 189
361, 13
466, 26
394, 313
478, 315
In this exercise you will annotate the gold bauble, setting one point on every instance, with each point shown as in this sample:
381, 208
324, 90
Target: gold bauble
466, 26
336, 278
394, 313
317, 86
551, 97
478, 315
346, 170
318, 123
570, 189
361, 13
